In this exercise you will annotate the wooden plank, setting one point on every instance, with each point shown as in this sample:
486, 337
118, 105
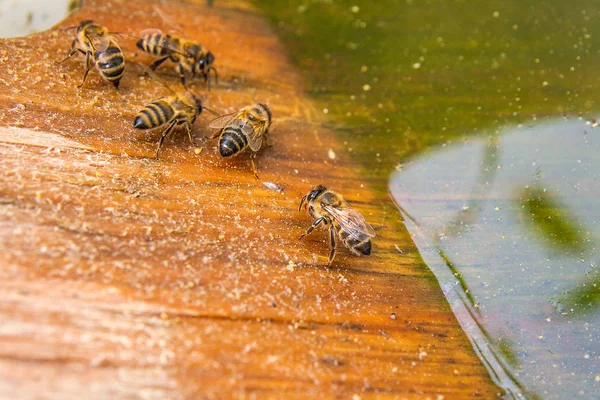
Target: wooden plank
126, 276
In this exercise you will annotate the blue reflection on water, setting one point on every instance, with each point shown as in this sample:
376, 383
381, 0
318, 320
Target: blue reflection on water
509, 225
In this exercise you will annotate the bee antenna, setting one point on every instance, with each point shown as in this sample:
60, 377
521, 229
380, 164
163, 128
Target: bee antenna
70, 27
121, 34
302, 202
207, 76
211, 111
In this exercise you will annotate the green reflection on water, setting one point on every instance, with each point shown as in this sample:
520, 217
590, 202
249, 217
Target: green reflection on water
584, 297
550, 220
411, 74
508, 349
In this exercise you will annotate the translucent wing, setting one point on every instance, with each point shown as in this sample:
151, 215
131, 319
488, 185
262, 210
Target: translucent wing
351, 221
255, 142
255, 134
149, 32
100, 43
222, 121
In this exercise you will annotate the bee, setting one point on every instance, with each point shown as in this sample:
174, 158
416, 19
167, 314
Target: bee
328, 207
101, 50
191, 57
247, 127
175, 110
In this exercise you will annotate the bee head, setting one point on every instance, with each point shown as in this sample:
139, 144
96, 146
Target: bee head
205, 62
83, 24
268, 111
315, 192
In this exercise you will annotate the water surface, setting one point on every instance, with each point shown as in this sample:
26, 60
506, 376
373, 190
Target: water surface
506, 216
509, 226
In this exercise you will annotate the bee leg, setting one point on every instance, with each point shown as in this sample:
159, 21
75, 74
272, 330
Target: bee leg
332, 243
164, 135
71, 54
252, 157
157, 63
87, 66
316, 223
188, 128
181, 72
216, 134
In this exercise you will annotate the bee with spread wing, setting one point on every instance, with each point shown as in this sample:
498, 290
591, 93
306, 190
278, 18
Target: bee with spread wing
328, 207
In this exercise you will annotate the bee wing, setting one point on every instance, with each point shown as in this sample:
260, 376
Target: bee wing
351, 221
255, 142
255, 138
100, 43
222, 121
148, 32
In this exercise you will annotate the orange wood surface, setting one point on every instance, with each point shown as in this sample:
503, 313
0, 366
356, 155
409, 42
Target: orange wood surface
123, 276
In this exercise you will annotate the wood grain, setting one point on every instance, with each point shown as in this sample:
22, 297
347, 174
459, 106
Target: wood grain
128, 277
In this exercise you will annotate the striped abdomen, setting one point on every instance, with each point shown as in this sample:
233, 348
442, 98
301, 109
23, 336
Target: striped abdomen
157, 44
232, 141
358, 247
155, 114
111, 64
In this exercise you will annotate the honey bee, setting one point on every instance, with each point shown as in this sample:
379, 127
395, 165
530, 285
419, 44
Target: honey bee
101, 50
328, 207
175, 110
247, 127
191, 57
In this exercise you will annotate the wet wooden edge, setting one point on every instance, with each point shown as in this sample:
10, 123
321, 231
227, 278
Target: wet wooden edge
124, 276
